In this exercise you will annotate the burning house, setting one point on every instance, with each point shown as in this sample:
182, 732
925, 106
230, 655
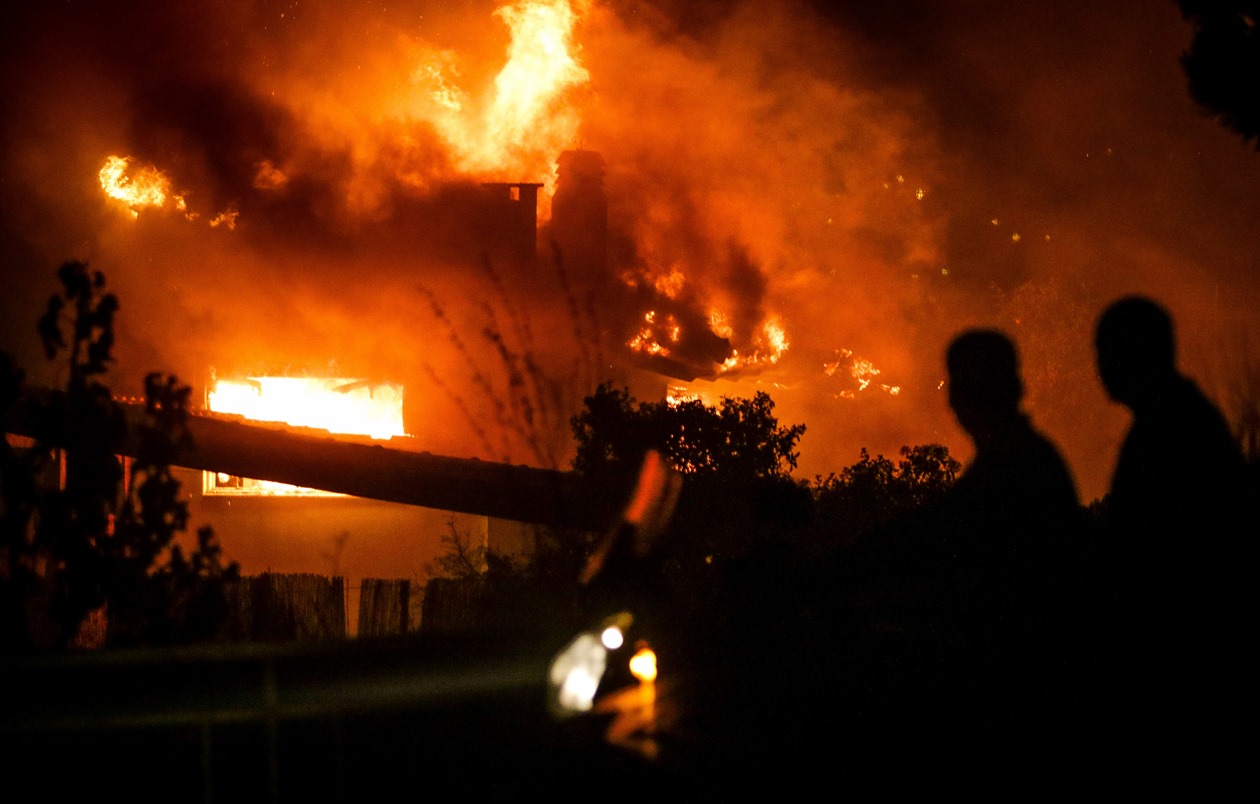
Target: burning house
270, 523
496, 205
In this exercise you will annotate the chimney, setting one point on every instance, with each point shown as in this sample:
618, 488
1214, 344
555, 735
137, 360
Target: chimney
579, 212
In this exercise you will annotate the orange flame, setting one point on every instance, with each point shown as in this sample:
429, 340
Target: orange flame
336, 405
720, 324
676, 395
648, 338
860, 369
150, 187
671, 284
144, 188
520, 128
768, 347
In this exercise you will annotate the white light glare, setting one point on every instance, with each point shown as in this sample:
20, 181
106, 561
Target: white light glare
576, 671
612, 637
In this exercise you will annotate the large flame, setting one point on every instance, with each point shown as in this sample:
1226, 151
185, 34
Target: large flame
145, 187
346, 406
521, 129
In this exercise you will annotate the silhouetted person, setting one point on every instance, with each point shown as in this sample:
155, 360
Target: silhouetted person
1179, 461
1182, 559
1013, 518
1017, 482
971, 592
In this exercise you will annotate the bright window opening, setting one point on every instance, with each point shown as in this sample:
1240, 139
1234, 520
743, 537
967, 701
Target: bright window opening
336, 405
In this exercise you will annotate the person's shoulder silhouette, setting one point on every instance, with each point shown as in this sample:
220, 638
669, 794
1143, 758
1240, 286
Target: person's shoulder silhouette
980, 554
1179, 465
1017, 479
1181, 563
971, 584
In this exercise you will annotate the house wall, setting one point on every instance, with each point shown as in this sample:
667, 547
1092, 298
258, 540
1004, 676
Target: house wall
352, 537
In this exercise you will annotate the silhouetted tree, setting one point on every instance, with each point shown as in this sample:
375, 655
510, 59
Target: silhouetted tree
1223, 62
736, 457
99, 538
875, 491
740, 517
737, 441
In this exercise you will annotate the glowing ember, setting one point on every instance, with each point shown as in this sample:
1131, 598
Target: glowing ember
860, 369
647, 339
146, 187
769, 345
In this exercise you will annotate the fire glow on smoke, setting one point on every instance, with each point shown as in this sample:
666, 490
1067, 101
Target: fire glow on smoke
517, 125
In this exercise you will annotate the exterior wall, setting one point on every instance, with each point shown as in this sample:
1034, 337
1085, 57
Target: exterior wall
348, 536
510, 538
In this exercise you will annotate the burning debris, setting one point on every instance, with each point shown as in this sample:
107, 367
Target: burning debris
148, 187
860, 369
136, 190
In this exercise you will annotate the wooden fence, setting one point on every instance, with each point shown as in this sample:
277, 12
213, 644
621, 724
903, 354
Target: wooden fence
305, 607
282, 607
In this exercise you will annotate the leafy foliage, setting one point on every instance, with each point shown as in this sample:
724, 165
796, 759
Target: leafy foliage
1223, 62
739, 503
739, 440
737, 459
103, 537
874, 491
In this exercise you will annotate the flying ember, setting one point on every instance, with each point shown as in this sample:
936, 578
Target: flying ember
860, 369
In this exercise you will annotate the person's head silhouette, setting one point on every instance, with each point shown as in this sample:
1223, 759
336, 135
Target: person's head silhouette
984, 384
1136, 349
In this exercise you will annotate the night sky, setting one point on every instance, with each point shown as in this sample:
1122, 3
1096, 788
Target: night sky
874, 177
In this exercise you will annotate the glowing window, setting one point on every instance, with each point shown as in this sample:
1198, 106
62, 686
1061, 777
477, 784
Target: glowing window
337, 405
